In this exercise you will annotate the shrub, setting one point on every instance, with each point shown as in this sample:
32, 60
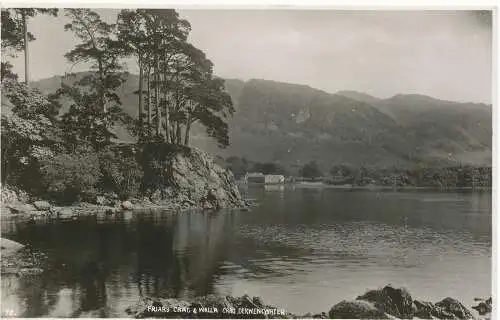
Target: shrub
71, 176
121, 173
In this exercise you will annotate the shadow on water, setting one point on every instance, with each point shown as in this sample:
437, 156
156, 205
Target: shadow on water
98, 268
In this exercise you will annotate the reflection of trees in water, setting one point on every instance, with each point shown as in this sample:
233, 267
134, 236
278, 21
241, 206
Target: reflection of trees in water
92, 262
180, 258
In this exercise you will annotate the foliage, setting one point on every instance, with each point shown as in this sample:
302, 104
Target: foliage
95, 105
311, 170
180, 87
238, 166
121, 172
13, 33
69, 176
341, 170
12, 25
29, 132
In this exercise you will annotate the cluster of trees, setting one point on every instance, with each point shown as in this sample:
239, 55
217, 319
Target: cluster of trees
72, 152
177, 87
442, 177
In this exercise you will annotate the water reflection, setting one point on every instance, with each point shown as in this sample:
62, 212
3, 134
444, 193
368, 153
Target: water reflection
316, 239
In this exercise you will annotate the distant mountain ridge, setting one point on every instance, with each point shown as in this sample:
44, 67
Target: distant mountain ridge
293, 124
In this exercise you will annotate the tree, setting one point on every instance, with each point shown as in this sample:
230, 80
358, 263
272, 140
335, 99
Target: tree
310, 170
96, 107
180, 87
133, 36
15, 34
211, 105
341, 170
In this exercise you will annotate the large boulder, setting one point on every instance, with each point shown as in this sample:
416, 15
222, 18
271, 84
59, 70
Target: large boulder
9, 247
450, 306
394, 301
484, 307
356, 310
42, 205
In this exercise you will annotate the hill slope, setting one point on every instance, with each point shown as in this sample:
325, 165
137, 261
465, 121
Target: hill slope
293, 124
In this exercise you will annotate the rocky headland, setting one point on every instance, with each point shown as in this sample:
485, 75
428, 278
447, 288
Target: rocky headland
173, 178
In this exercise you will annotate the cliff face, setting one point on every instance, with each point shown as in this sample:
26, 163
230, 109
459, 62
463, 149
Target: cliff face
187, 174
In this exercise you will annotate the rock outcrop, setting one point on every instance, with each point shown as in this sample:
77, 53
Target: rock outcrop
189, 176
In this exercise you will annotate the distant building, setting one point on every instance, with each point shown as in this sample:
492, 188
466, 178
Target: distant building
274, 179
258, 177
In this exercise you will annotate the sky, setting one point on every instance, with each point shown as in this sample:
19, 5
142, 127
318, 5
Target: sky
444, 54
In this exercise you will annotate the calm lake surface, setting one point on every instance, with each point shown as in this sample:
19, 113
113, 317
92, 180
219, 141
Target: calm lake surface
302, 249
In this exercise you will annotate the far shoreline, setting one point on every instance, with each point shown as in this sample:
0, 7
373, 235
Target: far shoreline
321, 185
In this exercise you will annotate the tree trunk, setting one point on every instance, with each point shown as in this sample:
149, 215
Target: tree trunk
150, 116
188, 128
26, 58
157, 97
167, 120
167, 113
179, 133
101, 88
141, 75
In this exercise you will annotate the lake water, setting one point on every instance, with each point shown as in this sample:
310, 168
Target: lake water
302, 249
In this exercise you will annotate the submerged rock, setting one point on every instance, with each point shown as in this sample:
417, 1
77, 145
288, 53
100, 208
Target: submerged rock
358, 309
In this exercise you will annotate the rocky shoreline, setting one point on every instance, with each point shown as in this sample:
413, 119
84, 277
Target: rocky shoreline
42, 210
386, 303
